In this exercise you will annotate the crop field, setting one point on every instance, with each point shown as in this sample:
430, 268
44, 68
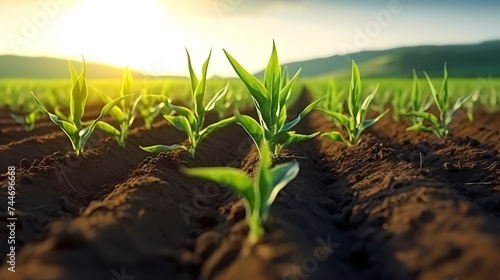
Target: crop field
273, 177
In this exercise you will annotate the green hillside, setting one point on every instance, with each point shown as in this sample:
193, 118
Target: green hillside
12, 66
463, 61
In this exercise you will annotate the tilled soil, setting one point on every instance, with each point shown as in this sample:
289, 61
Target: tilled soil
398, 205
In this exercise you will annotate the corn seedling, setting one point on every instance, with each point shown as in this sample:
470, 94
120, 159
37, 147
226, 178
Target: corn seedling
356, 123
123, 112
471, 105
149, 108
334, 101
258, 194
439, 126
417, 104
270, 101
28, 120
192, 121
72, 125
400, 103
493, 98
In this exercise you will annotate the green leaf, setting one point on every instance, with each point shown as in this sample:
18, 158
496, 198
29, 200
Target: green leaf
306, 111
185, 112
261, 96
354, 91
236, 179
428, 117
251, 126
220, 94
116, 112
78, 97
60, 114
192, 76
18, 119
281, 175
335, 136
69, 129
443, 95
133, 110
182, 124
419, 128
199, 93
457, 106
215, 126
263, 180
87, 131
294, 138
433, 92
108, 128
272, 78
416, 94
162, 148
282, 117
364, 107
345, 121
368, 123
287, 89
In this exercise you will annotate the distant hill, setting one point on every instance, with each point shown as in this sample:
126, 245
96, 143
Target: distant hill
463, 61
12, 66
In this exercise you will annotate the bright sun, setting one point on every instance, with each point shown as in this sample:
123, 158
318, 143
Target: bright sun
120, 32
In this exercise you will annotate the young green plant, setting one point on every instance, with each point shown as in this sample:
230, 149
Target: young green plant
123, 112
356, 123
73, 126
334, 101
27, 120
191, 121
439, 126
150, 107
270, 101
258, 194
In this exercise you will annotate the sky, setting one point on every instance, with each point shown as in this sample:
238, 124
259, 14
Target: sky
150, 35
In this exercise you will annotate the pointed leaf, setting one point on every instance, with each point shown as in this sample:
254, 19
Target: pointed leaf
368, 123
87, 131
220, 94
69, 129
182, 124
433, 92
335, 136
419, 128
115, 112
78, 98
272, 79
108, 128
259, 93
215, 126
199, 93
236, 179
457, 106
306, 111
192, 76
287, 89
416, 94
281, 175
185, 112
251, 126
345, 121
294, 138
427, 116
162, 148
354, 99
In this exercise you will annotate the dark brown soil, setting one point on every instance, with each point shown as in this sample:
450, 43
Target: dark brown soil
398, 205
